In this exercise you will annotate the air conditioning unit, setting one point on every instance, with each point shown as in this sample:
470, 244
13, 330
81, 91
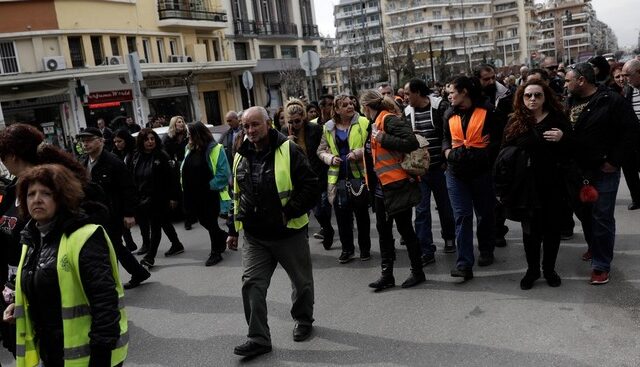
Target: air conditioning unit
114, 60
53, 63
180, 58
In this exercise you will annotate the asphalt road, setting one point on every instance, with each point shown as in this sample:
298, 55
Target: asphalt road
191, 315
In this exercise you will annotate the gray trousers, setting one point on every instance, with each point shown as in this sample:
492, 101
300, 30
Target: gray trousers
260, 258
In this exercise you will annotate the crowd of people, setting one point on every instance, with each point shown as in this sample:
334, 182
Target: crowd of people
537, 150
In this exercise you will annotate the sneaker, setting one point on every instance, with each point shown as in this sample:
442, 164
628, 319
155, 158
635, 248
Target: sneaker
345, 257
213, 259
147, 263
465, 273
587, 256
449, 246
319, 235
136, 280
251, 349
365, 256
599, 277
174, 250
428, 259
485, 260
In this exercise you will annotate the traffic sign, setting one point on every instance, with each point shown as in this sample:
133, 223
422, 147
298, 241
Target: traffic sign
247, 79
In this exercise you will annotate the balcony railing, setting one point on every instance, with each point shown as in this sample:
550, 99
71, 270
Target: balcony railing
310, 30
189, 10
253, 28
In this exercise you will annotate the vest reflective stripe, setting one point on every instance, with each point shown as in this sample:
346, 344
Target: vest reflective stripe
473, 138
386, 164
282, 172
357, 138
76, 316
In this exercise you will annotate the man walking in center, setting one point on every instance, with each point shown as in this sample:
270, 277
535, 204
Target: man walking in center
274, 188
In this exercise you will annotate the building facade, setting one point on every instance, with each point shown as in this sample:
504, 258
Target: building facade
514, 27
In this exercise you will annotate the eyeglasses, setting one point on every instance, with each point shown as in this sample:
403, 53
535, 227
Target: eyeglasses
536, 95
298, 121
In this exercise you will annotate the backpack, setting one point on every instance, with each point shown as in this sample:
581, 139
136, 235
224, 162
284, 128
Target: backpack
514, 183
416, 163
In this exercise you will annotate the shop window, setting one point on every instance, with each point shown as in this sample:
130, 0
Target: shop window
96, 47
267, 52
240, 49
75, 51
131, 44
8, 58
161, 53
115, 46
289, 52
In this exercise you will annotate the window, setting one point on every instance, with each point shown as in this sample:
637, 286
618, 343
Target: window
419, 30
8, 58
240, 49
75, 51
173, 47
161, 52
437, 28
289, 52
96, 47
216, 52
131, 44
267, 52
146, 47
115, 46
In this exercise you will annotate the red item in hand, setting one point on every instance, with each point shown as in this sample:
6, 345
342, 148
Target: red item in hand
588, 193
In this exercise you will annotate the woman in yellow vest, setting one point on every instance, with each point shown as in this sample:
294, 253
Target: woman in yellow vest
396, 192
205, 175
341, 148
471, 142
68, 307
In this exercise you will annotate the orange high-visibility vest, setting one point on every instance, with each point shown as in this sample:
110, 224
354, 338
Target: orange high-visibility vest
474, 136
386, 163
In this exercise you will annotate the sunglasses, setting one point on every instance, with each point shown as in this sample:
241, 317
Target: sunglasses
536, 95
298, 121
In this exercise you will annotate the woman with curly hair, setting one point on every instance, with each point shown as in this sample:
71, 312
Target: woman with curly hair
538, 127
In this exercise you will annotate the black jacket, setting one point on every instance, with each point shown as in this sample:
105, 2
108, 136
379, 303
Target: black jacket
604, 131
226, 139
116, 181
260, 210
40, 285
312, 137
155, 180
405, 194
175, 148
466, 163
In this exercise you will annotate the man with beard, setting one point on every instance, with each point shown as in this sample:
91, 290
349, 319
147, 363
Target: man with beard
501, 98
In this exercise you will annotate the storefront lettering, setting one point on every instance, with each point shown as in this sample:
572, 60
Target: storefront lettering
164, 83
123, 95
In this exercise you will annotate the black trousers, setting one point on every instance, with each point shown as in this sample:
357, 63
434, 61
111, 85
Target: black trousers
207, 214
344, 217
152, 221
542, 228
128, 261
404, 224
630, 168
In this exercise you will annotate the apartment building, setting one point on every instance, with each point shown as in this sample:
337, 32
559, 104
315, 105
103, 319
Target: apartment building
566, 30
459, 33
514, 26
64, 63
274, 33
360, 38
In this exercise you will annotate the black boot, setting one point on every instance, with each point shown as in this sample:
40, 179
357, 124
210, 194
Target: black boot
386, 280
416, 277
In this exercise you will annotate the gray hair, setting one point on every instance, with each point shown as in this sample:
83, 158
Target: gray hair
262, 110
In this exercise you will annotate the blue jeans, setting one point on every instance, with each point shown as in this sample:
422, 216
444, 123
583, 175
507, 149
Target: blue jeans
469, 196
434, 182
598, 222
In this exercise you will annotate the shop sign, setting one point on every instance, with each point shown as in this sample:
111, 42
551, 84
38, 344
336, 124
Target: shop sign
164, 83
123, 95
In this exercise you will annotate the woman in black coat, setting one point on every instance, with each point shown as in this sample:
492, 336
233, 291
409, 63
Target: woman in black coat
396, 192
158, 190
124, 147
538, 126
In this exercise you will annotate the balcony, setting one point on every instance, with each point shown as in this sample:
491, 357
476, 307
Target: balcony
310, 31
191, 14
252, 28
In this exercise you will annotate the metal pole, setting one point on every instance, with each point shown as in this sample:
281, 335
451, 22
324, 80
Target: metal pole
433, 69
464, 36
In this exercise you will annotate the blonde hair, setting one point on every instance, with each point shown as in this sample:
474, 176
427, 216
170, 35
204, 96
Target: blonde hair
294, 107
377, 102
171, 132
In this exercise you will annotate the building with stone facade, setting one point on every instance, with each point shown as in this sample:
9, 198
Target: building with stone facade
514, 27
